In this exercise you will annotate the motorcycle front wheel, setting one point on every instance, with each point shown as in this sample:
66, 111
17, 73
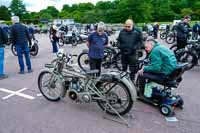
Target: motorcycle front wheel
50, 86
117, 98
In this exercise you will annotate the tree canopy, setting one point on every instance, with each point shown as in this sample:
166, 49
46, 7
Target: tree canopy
110, 11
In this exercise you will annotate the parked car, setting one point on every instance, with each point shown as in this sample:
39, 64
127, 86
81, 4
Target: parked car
162, 27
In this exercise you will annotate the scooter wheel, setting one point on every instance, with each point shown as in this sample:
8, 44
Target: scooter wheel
166, 110
181, 103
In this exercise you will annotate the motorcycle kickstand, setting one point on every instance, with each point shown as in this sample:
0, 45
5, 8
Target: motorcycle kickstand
122, 121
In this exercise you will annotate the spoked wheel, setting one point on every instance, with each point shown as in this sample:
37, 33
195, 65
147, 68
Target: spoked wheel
83, 61
34, 49
117, 95
187, 57
50, 86
166, 110
163, 35
13, 49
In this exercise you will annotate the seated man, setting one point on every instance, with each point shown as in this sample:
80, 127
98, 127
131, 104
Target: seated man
162, 63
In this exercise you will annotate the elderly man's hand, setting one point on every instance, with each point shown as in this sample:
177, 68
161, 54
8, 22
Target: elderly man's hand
141, 71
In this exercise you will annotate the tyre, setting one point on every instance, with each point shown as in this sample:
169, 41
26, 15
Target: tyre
118, 62
74, 41
34, 49
163, 35
187, 57
180, 102
166, 110
117, 95
50, 86
170, 39
13, 49
83, 61
61, 42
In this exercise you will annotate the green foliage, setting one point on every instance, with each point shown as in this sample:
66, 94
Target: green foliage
116, 11
4, 13
18, 8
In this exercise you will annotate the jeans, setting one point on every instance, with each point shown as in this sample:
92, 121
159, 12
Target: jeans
1, 61
54, 45
23, 49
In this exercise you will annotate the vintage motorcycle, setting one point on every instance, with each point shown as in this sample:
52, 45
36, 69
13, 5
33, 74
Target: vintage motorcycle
113, 91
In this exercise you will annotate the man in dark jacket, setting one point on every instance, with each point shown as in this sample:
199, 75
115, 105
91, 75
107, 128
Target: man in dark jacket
3, 40
130, 39
20, 37
183, 29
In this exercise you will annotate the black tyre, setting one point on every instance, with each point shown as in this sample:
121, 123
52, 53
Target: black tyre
74, 41
34, 49
83, 61
117, 95
61, 42
187, 57
163, 35
170, 39
13, 49
50, 86
166, 110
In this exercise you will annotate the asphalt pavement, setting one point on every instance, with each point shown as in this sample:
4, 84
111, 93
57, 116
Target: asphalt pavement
24, 110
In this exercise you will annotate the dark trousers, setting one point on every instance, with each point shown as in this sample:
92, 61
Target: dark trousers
181, 43
95, 64
148, 75
54, 45
131, 61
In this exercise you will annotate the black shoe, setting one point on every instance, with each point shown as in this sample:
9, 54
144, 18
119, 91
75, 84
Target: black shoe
30, 71
4, 76
21, 72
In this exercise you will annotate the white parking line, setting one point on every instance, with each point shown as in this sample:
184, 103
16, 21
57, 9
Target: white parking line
12, 93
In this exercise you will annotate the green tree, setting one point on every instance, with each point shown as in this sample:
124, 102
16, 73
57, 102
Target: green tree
18, 8
4, 13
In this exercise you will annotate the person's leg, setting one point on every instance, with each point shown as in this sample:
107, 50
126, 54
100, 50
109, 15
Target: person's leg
124, 62
27, 57
133, 64
92, 64
54, 45
20, 57
1, 61
98, 66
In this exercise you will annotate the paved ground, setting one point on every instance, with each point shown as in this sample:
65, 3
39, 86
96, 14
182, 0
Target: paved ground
32, 113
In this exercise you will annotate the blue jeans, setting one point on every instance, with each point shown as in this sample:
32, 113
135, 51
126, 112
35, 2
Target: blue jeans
54, 45
23, 49
1, 61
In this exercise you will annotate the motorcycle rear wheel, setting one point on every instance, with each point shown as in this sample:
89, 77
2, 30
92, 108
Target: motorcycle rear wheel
117, 95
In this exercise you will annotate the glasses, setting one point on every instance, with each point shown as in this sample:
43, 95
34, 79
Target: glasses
128, 26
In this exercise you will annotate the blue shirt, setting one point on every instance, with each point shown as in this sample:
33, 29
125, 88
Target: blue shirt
96, 45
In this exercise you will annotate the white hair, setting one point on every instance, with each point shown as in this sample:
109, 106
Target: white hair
101, 26
15, 19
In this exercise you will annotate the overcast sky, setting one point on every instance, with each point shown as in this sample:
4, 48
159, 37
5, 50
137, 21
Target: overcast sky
37, 5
